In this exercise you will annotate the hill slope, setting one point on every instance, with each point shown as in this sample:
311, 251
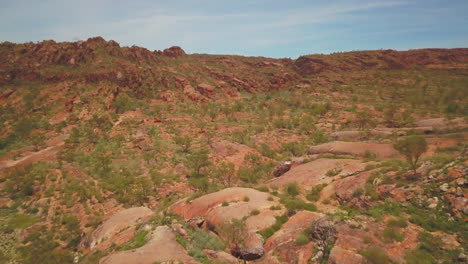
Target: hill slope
90, 128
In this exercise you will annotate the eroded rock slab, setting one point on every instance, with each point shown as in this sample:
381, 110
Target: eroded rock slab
314, 172
238, 203
162, 247
355, 148
118, 229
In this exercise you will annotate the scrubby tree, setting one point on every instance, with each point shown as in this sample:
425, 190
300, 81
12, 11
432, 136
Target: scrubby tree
184, 142
412, 148
235, 234
225, 172
197, 161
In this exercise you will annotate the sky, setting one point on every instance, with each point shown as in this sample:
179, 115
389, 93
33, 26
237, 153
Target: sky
270, 28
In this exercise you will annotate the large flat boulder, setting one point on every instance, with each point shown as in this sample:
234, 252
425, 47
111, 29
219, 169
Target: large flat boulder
355, 148
162, 247
118, 229
441, 122
314, 172
345, 188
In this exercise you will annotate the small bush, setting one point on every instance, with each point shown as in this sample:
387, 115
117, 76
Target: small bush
246, 199
302, 239
139, 240
255, 212
296, 204
391, 234
332, 172
206, 240
292, 189
375, 255
314, 193
275, 207
280, 220
225, 203
419, 256
400, 222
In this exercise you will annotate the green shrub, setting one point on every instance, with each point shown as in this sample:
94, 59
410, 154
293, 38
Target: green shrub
280, 220
124, 103
419, 256
375, 255
391, 234
255, 212
292, 189
275, 207
314, 193
205, 240
296, 204
22, 221
399, 223
332, 172
412, 148
302, 239
225, 203
294, 148
138, 240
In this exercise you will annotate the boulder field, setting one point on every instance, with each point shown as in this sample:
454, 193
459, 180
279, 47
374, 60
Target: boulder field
223, 206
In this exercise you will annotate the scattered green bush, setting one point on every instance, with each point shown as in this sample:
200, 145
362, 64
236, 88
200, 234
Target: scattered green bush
391, 234
375, 255
293, 189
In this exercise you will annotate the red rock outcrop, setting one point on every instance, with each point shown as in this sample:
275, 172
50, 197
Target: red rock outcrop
162, 247
118, 229
314, 172
240, 203
355, 148
174, 52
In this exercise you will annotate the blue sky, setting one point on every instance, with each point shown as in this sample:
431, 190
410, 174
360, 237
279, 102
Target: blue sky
271, 28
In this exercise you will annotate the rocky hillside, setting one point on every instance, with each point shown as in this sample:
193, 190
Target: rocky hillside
114, 154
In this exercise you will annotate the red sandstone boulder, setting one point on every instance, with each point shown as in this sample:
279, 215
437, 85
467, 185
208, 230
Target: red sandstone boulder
174, 52
355, 148
118, 229
162, 247
238, 203
314, 172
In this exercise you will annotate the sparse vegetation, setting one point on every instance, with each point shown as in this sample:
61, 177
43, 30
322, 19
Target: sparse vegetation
412, 148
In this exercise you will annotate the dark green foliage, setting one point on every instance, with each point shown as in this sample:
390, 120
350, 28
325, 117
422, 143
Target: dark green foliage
302, 239
391, 234
375, 255
253, 172
138, 240
294, 205
43, 249
205, 240
397, 223
431, 250
196, 161
314, 193
184, 142
280, 220
295, 149
123, 103
292, 189
389, 207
